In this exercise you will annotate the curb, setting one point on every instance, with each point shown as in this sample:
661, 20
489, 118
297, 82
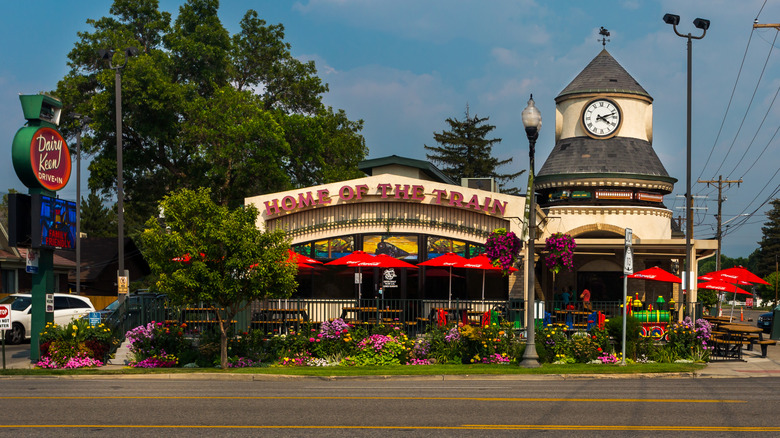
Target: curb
283, 377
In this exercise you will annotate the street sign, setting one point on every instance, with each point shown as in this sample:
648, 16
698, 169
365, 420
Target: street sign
32, 261
5, 317
628, 263
49, 303
123, 284
629, 234
94, 318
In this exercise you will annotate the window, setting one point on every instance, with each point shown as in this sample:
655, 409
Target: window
76, 303
440, 245
398, 246
61, 303
9, 285
334, 248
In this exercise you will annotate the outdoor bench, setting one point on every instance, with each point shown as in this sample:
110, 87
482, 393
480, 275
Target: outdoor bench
764, 343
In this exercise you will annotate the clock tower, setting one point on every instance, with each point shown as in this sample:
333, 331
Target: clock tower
603, 177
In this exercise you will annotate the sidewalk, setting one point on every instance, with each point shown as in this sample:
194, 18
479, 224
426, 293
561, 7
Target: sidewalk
753, 364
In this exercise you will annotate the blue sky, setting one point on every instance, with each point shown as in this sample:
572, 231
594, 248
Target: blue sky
404, 66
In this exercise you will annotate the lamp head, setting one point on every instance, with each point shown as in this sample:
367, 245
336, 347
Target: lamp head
131, 51
105, 53
672, 19
532, 118
702, 24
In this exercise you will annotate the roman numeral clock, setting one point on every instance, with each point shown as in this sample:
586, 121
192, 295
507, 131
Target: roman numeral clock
601, 118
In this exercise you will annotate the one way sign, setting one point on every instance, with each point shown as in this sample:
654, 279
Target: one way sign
628, 263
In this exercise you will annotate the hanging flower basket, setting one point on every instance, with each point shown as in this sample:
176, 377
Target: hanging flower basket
560, 248
502, 248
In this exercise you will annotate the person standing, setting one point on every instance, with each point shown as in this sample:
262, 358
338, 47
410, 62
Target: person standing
585, 295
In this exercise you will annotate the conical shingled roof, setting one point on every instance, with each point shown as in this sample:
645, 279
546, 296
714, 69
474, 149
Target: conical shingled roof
616, 155
603, 75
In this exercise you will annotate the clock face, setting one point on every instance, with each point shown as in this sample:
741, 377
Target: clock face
601, 118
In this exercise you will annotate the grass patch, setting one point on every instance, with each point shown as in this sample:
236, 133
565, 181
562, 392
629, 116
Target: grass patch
399, 370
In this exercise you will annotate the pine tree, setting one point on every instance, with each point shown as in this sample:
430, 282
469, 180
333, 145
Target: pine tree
465, 152
770, 242
97, 220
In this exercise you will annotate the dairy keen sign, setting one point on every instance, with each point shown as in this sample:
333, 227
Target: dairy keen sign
41, 158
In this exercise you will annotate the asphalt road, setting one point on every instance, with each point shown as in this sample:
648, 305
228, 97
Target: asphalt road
394, 407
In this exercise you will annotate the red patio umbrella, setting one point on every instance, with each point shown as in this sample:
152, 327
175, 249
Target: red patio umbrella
484, 263
385, 261
737, 275
657, 274
447, 260
723, 286
300, 259
352, 260
186, 258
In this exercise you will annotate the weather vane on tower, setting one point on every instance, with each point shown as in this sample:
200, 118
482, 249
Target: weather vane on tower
604, 34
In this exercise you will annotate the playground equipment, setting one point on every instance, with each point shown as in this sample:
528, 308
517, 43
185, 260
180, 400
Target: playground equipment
655, 321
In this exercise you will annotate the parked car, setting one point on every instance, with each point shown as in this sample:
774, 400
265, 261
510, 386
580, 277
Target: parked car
66, 308
765, 322
106, 311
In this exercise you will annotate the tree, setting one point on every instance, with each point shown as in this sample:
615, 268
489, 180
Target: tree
202, 107
770, 241
4, 208
768, 292
465, 152
97, 220
232, 262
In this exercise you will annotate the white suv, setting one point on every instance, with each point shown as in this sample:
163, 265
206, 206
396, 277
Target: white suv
66, 308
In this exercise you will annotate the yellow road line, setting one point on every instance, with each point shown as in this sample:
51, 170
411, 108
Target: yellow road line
461, 427
501, 399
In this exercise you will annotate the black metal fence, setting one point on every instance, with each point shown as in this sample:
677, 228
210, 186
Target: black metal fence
279, 316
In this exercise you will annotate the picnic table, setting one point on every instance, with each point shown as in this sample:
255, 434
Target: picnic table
750, 336
574, 318
279, 319
370, 315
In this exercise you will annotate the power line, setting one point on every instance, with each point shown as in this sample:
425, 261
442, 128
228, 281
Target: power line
747, 110
728, 107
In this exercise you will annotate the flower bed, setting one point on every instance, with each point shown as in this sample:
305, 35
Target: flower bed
337, 343
77, 344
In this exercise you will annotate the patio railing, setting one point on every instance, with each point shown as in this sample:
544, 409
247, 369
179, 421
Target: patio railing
282, 315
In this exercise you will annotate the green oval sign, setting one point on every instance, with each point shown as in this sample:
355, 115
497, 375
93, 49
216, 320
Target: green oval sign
41, 158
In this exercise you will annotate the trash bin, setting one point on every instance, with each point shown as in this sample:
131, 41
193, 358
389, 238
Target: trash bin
775, 333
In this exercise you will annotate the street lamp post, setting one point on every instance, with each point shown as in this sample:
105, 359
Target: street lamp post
108, 55
702, 24
83, 120
532, 121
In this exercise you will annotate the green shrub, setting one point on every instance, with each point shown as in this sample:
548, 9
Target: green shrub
445, 343
552, 343
614, 327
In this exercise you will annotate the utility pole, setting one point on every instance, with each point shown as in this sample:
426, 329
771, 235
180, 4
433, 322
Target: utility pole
776, 280
720, 182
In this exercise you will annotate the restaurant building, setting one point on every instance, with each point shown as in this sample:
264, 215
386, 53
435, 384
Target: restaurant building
601, 178
405, 208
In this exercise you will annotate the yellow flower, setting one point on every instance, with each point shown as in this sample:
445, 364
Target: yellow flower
75, 327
